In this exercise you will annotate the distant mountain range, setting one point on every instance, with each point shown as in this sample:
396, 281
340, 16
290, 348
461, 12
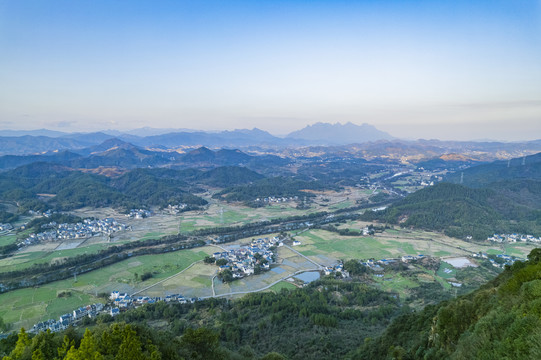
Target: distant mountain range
349, 139
116, 153
19, 142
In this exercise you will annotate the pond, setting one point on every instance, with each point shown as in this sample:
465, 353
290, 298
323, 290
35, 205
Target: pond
308, 276
459, 262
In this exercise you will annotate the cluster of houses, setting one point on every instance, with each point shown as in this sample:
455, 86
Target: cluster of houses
6, 227
377, 265
243, 261
277, 199
175, 209
513, 238
504, 259
68, 319
47, 213
86, 229
123, 301
139, 214
338, 268
120, 302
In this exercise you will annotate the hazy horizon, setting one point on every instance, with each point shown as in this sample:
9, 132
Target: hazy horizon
443, 70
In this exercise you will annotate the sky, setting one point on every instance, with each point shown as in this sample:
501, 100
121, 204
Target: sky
450, 70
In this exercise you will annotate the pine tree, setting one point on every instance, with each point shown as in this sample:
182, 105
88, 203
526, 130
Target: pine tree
67, 344
23, 343
130, 349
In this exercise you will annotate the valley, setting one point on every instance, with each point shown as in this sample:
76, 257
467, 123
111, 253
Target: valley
390, 234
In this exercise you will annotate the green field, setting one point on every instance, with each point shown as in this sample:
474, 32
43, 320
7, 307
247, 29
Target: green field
395, 282
282, 285
393, 244
341, 205
152, 235
187, 226
320, 242
441, 273
24, 260
7, 239
25, 307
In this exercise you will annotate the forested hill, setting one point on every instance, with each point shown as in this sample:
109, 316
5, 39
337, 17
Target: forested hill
69, 188
459, 211
501, 320
528, 167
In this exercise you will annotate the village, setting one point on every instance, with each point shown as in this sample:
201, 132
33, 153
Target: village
276, 199
499, 238
118, 302
249, 260
64, 231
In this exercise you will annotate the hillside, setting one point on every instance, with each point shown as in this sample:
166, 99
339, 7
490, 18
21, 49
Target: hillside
459, 211
70, 189
528, 167
271, 187
500, 197
499, 321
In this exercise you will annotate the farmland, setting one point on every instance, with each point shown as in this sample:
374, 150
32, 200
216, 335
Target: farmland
24, 307
183, 271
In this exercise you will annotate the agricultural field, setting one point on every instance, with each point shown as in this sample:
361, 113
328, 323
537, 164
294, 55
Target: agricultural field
219, 213
197, 280
288, 263
282, 285
396, 282
216, 214
7, 239
183, 271
25, 307
413, 242
41, 254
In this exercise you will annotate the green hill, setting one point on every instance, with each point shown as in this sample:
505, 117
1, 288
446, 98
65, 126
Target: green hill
71, 189
501, 320
528, 167
459, 211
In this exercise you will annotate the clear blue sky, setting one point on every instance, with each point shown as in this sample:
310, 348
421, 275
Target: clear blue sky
417, 69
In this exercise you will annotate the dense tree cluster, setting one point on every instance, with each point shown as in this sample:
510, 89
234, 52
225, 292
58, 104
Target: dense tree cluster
500, 320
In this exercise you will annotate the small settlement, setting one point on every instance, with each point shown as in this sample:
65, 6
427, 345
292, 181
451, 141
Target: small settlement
500, 238
118, 302
139, 214
86, 229
246, 261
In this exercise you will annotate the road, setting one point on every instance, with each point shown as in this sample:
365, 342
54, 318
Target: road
319, 266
